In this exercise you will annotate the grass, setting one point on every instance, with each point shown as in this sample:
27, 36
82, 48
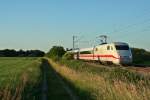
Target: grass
103, 83
56, 90
110, 73
19, 77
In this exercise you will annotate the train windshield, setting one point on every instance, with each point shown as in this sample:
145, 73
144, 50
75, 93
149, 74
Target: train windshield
122, 47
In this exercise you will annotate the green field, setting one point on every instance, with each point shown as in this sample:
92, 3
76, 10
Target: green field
19, 77
22, 78
11, 69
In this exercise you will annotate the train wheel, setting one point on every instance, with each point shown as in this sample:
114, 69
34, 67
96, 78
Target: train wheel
109, 62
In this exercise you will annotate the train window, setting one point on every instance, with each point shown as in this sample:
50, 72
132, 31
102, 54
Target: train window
111, 48
86, 52
96, 49
122, 47
108, 47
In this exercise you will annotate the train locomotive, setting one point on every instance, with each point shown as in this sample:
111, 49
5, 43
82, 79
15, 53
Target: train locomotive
114, 53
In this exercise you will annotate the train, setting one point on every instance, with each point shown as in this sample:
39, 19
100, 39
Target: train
118, 53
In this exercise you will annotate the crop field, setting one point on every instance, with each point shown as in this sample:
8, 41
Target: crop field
18, 78
29, 78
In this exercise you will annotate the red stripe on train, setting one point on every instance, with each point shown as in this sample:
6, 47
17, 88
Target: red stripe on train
110, 56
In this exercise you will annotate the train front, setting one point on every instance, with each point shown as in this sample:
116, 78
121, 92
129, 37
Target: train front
124, 52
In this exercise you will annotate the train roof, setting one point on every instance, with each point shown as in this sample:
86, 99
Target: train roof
120, 43
116, 43
90, 49
82, 49
86, 49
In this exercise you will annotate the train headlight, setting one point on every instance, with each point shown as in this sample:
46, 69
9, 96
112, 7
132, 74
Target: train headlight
130, 57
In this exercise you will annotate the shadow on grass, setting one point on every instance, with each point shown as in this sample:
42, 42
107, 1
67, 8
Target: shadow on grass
57, 89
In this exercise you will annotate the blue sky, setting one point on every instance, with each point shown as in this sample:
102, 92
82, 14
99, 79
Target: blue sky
40, 24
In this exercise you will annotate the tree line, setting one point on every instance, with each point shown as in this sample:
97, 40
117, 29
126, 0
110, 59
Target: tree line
140, 55
21, 53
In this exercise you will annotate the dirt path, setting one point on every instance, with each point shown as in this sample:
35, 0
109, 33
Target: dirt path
44, 83
48, 83
65, 86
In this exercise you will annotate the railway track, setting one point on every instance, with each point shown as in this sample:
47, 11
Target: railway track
144, 69
141, 68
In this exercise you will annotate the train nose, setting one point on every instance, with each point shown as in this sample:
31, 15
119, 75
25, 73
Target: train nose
125, 59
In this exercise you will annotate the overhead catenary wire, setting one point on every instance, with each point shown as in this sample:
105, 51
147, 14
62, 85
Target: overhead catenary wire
130, 26
126, 30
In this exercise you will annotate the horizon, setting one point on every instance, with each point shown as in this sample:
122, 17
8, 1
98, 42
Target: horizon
41, 24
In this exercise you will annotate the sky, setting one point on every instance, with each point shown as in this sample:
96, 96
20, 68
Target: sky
41, 24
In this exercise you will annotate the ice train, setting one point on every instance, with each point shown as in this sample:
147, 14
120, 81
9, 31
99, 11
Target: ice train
115, 53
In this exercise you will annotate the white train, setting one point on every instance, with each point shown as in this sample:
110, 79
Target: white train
116, 53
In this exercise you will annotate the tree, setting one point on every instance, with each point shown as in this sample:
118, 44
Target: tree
56, 52
140, 55
68, 56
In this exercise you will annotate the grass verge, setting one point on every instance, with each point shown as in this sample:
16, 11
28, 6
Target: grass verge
103, 83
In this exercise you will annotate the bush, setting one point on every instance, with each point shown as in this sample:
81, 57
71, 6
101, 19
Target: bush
56, 52
140, 55
68, 56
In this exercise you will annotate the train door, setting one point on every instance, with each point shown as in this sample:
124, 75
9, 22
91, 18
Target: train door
110, 52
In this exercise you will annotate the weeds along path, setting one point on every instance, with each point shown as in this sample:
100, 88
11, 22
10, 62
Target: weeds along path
92, 82
53, 86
